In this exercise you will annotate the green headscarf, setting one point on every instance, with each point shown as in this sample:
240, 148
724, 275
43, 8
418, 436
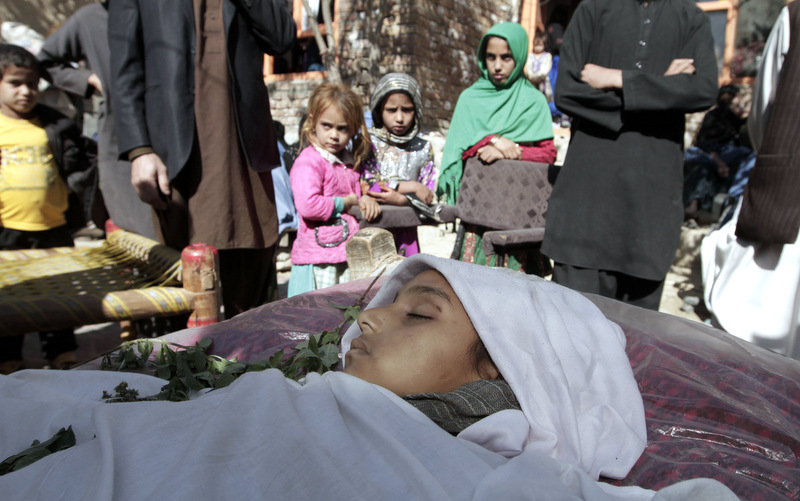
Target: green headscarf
516, 109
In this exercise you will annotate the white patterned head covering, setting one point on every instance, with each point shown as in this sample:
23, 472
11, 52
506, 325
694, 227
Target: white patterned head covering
564, 360
394, 82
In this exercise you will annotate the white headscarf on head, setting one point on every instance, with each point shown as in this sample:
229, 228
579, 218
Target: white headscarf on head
563, 359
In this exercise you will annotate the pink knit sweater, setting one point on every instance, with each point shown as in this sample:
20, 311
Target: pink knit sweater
316, 180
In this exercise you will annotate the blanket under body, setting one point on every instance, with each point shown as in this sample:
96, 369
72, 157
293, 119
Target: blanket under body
265, 437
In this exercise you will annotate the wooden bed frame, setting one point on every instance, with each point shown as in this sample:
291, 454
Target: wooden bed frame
129, 277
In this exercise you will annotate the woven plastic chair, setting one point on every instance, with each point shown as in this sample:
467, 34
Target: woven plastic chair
129, 277
402, 217
508, 198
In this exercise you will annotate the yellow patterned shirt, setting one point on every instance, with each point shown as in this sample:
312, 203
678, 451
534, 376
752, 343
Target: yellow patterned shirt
33, 197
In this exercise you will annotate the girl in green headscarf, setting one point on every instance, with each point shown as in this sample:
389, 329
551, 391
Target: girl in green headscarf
502, 115
491, 111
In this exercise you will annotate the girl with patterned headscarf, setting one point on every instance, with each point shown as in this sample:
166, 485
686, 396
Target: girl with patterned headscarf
403, 166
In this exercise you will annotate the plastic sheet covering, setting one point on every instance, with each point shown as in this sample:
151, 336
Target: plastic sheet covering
716, 406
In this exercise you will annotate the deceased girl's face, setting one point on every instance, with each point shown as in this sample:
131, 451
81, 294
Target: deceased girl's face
418, 344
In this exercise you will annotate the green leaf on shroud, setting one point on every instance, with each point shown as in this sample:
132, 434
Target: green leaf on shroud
164, 371
330, 355
352, 312
224, 380
63, 439
235, 368
200, 360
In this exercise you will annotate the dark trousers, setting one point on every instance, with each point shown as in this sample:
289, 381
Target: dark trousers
626, 288
54, 343
248, 276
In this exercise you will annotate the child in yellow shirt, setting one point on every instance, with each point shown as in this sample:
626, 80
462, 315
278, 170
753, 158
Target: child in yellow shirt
41, 159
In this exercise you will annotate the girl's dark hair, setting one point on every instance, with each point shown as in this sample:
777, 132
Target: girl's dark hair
481, 360
14, 55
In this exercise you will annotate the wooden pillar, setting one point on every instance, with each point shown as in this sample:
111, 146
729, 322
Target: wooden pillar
531, 19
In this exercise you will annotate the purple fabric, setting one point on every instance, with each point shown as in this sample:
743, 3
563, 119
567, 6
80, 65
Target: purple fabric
405, 239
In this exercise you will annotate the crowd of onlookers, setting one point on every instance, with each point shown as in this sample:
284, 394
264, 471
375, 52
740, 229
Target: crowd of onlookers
185, 149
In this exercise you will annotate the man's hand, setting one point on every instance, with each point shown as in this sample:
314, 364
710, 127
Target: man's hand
388, 196
95, 82
369, 208
601, 78
680, 66
150, 180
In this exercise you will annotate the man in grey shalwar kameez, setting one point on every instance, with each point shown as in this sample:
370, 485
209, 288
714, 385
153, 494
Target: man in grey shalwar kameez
628, 73
84, 37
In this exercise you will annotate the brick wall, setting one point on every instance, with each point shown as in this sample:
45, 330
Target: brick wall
433, 40
287, 100
448, 33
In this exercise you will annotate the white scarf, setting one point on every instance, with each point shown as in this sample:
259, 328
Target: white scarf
564, 360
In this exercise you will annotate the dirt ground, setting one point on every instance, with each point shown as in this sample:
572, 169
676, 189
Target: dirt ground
683, 289
682, 296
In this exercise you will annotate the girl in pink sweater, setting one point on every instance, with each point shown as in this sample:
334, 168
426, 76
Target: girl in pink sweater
325, 182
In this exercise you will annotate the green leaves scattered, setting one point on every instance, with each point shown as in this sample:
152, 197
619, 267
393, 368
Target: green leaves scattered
191, 368
122, 394
350, 312
63, 439
187, 369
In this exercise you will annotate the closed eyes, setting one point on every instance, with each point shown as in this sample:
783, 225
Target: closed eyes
417, 316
